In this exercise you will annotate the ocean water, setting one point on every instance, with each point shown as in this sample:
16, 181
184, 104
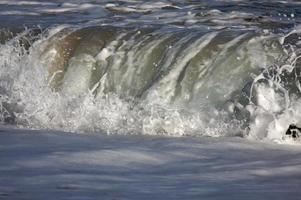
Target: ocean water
168, 95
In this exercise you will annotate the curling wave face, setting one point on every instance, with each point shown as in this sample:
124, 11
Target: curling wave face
157, 80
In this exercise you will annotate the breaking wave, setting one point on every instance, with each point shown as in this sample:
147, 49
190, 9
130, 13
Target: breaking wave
152, 80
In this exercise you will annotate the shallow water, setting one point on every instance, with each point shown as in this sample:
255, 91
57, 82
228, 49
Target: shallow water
55, 165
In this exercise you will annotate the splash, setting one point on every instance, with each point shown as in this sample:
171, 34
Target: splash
152, 81
275, 94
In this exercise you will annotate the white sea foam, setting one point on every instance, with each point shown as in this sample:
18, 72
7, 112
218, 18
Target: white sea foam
70, 7
21, 13
25, 3
276, 107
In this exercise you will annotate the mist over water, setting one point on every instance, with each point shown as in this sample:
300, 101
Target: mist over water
175, 68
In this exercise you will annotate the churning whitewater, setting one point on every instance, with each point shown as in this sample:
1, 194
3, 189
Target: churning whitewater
211, 79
